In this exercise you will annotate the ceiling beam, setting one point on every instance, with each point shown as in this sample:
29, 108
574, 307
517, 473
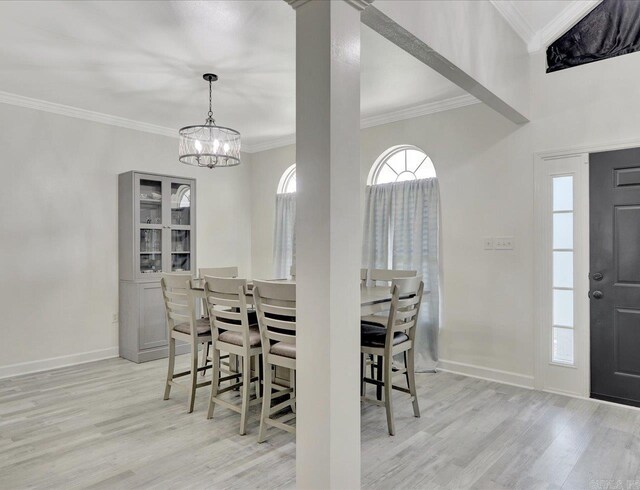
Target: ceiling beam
415, 45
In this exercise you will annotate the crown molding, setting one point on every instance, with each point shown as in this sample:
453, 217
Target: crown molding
378, 120
99, 117
515, 19
357, 4
419, 110
565, 20
561, 23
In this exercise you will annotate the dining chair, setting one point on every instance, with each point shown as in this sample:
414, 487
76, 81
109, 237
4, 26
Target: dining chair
276, 307
232, 333
363, 277
182, 324
231, 271
396, 337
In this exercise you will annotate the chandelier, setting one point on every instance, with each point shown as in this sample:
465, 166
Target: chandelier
209, 145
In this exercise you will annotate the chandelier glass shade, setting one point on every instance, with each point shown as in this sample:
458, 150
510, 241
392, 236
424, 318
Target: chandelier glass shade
209, 145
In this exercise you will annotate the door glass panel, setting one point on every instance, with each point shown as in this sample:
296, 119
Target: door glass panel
150, 201
563, 307
180, 204
562, 269
563, 230
180, 241
563, 193
150, 251
563, 345
180, 262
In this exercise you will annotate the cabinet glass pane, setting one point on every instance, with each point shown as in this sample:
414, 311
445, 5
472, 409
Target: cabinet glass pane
563, 269
563, 193
150, 201
180, 262
563, 345
180, 241
563, 230
563, 307
150, 251
180, 204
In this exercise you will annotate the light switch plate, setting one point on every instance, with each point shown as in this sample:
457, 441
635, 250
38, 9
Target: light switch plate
488, 242
504, 242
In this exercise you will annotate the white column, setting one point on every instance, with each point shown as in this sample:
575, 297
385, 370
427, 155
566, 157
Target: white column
328, 248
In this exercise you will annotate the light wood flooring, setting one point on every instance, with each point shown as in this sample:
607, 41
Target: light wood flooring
105, 425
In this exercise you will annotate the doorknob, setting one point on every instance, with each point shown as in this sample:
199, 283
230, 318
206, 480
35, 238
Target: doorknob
598, 276
597, 295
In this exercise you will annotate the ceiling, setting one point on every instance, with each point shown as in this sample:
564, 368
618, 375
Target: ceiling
144, 60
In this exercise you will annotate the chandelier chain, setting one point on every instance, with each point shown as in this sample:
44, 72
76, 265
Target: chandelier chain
210, 111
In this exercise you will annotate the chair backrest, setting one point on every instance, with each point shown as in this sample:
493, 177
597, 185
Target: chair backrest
179, 301
227, 305
276, 309
292, 271
218, 272
405, 306
388, 275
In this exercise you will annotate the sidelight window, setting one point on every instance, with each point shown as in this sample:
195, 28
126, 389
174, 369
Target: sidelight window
563, 278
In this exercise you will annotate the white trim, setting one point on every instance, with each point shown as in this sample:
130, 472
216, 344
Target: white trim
419, 110
575, 378
515, 19
561, 23
57, 362
488, 374
565, 20
99, 117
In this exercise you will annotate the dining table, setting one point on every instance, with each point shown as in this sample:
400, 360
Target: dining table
372, 298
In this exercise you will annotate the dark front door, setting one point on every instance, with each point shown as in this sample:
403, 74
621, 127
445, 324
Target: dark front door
614, 188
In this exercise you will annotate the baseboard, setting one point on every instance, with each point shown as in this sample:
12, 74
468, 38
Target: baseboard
56, 362
488, 374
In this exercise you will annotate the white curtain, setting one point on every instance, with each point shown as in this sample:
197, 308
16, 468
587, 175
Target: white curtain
401, 232
284, 238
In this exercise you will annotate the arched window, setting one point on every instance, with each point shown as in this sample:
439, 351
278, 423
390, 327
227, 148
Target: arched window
287, 182
401, 163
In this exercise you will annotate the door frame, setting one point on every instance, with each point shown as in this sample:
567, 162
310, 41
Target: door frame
569, 380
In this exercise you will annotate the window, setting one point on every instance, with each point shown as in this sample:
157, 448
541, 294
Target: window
287, 182
400, 164
563, 257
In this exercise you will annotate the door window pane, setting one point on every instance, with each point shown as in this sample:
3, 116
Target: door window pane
563, 193
562, 269
563, 345
150, 251
150, 202
180, 204
563, 307
563, 230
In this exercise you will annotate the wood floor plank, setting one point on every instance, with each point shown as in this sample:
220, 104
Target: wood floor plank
104, 425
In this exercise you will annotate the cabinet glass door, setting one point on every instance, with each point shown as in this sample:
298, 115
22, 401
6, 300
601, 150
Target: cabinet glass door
180, 226
150, 199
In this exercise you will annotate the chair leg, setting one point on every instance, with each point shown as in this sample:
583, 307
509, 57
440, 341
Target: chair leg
246, 386
387, 361
170, 369
406, 367
411, 379
215, 380
205, 356
379, 368
362, 369
260, 393
292, 384
193, 378
266, 402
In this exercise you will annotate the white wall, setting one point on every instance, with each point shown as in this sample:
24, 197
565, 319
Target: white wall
484, 165
59, 256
